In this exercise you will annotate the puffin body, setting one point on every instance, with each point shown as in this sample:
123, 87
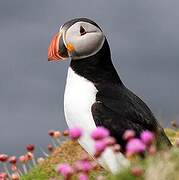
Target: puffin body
94, 93
79, 98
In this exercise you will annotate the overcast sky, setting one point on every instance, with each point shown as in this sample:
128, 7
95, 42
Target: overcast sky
144, 40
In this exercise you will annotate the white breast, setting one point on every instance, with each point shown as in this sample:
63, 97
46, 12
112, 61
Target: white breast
79, 96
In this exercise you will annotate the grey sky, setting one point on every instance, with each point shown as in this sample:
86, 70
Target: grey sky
144, 40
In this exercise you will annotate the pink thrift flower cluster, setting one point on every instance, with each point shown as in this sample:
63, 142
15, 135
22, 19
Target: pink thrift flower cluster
102, 140
80, 168
14, 167
128, 134
83, 177
3, 176
138, 145
135, 146
100, 146
83, 166
75, 133
147, 137
99, 133
65, 169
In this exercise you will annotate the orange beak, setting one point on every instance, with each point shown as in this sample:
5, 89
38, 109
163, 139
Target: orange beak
57, 50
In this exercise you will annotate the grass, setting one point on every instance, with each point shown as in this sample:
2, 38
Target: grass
68, 152
163, 166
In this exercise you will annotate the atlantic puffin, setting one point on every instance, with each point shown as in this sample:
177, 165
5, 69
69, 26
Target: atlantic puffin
94, 93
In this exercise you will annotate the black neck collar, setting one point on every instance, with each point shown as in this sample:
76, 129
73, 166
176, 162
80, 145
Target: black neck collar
97, 68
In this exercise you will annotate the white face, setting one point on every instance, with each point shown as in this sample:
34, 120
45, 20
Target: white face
86, 38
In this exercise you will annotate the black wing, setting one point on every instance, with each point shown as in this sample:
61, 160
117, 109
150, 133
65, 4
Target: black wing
121, 110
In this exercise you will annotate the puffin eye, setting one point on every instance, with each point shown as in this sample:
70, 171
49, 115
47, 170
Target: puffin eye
82, 30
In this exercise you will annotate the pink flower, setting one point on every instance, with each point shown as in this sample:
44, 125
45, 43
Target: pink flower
14, 176
128, 134
135, 146
50, 148
3, 157
51, 133
94, 164
83, 165
147, 137
75, 133
66, 132
3, 175
57, 134
100, 146
65, 170
29, 156
137, 171
12, 159
152, 150
99, 133
83, 177
30, 147
13, 167
110, 141
23, 158
116, 148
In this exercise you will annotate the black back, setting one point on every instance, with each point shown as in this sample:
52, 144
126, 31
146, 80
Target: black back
116, 107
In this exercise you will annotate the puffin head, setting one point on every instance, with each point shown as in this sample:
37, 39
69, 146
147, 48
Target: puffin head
78, 38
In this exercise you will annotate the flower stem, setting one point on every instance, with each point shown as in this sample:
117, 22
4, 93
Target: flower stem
19, 172
58, 141
24, 168
44, 153
33, 161
6, 169
54, 143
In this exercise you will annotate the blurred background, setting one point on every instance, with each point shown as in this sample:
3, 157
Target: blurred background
144, 40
